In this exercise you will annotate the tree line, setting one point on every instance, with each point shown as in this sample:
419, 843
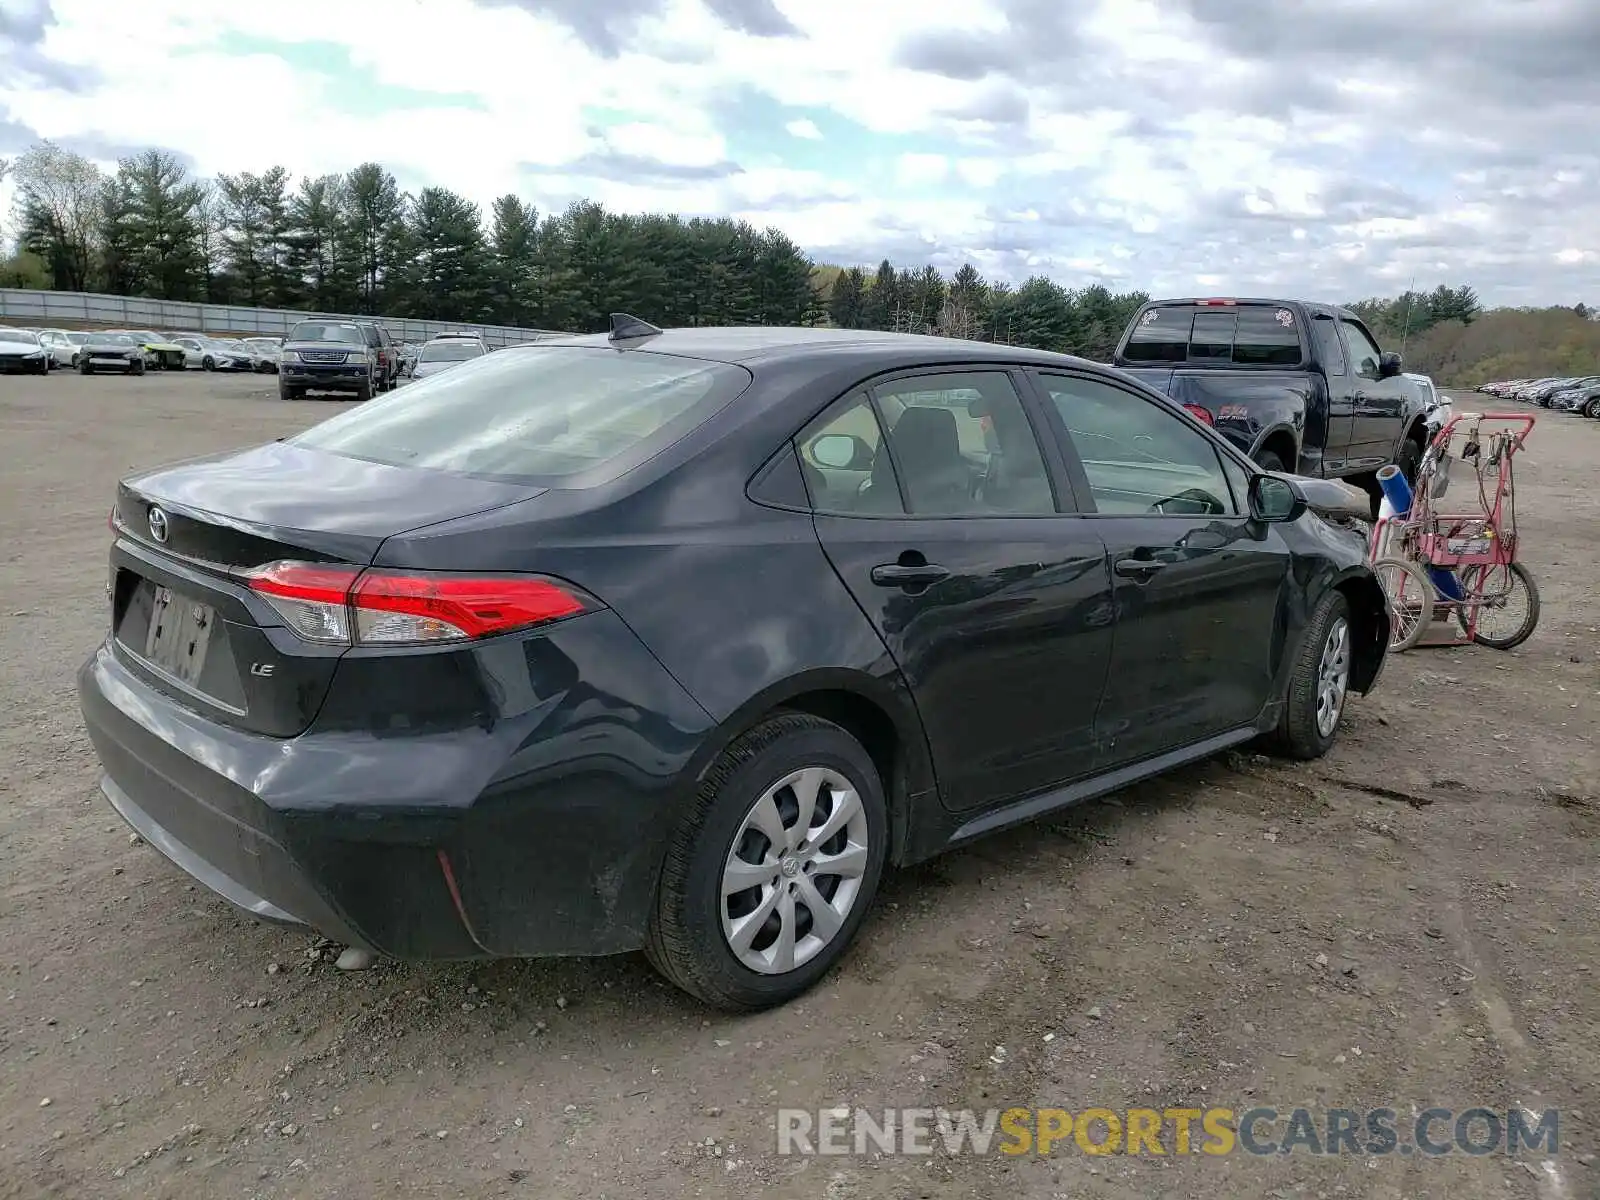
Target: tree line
356, 242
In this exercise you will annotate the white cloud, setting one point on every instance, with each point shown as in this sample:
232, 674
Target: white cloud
1152, 141
920, 170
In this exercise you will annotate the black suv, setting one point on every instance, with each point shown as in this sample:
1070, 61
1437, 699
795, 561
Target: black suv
326, 354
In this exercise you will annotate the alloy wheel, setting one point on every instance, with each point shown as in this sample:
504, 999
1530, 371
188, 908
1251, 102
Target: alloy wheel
1333, 677
794, 871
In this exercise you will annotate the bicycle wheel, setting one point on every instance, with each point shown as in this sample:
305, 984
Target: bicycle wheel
1508, 591
1411, 597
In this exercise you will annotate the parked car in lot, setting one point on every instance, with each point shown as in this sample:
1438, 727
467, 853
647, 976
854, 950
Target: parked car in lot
1579, 396
112, 352
677, 639
1297, 386
442, 353
159, 352
215, 354
60, 346
1436, 407
328, 355
385, 351
21, 353
266, 350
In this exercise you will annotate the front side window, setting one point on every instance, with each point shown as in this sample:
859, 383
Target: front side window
535, 413
963, 446
1140, 456
1362, 351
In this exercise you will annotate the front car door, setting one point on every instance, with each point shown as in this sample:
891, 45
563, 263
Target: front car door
953, 529
1199, 587
1380, 404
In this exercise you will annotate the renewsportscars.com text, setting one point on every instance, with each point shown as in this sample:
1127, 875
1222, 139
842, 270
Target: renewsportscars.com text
1176, 1132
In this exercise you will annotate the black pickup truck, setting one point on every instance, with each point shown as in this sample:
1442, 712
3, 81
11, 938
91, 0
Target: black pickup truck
1299, 387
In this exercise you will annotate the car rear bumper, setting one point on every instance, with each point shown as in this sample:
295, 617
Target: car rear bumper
537, 833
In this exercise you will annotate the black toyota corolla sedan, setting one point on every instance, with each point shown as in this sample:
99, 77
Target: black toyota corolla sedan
676, 639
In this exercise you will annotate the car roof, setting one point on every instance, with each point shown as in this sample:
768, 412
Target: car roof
767, 343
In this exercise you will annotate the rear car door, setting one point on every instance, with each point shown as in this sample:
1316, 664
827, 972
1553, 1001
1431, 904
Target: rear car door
1198, 585
1379, 404
952, 527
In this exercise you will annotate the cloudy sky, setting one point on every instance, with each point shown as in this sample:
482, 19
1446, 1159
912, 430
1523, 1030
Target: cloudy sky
1335, 149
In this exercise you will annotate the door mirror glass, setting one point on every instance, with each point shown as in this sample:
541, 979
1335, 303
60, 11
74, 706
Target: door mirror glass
842, 452
1275, 500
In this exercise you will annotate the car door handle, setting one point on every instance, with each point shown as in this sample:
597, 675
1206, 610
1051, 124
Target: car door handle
899, 575
1137, 568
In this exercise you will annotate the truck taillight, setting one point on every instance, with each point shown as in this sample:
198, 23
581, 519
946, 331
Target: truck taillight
1201, 413
342, 605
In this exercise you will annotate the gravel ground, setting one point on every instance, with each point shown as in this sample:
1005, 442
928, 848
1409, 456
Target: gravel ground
1410, 922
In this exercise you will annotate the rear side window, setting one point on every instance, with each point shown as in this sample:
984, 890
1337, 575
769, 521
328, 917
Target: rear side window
1240, 335
345, 332
530, 414
845, 466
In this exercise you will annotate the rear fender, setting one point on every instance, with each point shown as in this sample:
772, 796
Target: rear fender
908, 770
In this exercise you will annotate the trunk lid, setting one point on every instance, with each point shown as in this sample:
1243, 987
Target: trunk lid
183, 616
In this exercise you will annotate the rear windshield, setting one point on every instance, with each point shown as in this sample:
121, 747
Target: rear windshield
450, 352
328, 331
530, 414
1238, 335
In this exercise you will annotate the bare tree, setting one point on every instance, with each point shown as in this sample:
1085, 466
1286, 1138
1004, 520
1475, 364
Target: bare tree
55, 209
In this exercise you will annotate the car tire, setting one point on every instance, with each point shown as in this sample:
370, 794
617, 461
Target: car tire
84, 368
208, 363
1409, 460
1591, 407
1267, 460
285, 392
1320, 677
693, 927
364, 391
138, 366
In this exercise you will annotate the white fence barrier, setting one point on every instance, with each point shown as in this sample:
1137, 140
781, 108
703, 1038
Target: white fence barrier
137, 312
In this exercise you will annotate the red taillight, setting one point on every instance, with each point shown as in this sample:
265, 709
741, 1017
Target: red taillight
348, 606
1200, 413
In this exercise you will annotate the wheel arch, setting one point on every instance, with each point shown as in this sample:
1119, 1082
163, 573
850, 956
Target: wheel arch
1283, 441
1369, 621
879, 713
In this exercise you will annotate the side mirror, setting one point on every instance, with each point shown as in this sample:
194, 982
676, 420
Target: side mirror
1274, 500
1388, 366
842, 452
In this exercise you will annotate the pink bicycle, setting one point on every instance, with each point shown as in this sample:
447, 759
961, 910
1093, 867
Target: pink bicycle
1436, 563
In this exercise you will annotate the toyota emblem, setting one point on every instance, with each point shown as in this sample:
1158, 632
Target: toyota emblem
158, 524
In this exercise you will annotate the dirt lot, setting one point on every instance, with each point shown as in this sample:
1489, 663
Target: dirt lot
1411, 922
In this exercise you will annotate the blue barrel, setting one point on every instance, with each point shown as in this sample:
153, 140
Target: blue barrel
1395, 489
1398, 493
